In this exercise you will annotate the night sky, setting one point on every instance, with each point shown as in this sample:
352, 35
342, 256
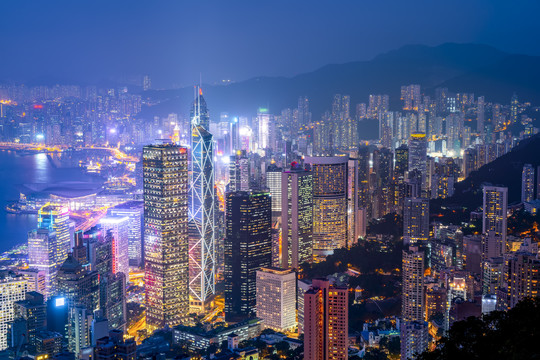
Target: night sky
174, 41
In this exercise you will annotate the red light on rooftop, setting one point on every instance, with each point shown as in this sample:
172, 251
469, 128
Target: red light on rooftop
38, 106
200, 91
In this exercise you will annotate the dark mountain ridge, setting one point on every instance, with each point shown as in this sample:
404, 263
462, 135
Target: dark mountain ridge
476, 68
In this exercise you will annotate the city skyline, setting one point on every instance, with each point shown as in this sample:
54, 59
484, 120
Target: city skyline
357, 202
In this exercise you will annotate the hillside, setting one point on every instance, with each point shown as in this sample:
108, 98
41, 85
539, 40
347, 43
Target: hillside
460, 67
505, 171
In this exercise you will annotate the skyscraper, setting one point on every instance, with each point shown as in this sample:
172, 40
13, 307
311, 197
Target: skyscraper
264, 119
239, 172
118, 225
13, 289
329, 204
480, 117
42, 256
418, 156
326, 321
165, 176
296, 217
415, 220
411, 97
56, 218
412, 304
414, 338
248, 247
527, 183
523, 278
495, 208
134, 210
514, 108
414, 330
273, 182
77, 285
276, 298
378, 104
202, 254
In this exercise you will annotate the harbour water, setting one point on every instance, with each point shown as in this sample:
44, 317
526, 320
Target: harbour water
22, 168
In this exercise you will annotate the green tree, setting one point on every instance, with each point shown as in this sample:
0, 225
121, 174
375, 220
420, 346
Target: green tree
509, 335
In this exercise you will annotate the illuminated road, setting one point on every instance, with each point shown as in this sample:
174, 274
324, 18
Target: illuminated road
117, 153
139, 325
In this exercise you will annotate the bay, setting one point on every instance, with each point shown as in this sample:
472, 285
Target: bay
22, 168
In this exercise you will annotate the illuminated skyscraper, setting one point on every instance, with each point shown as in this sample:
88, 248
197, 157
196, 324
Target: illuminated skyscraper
414, 336
202, 254
527, 183
495, 208
56, 218
523, 278
329, 204
42, 256
77, 285
134, 210
480, 116
412, 304
326, 321
239, 172
273, 182
248, 247
514, 109
418, 156
411, 97
415, 220
296, 217
263, 119
378, 104
12, 288
119, 226
276, 298
414, 330
165, 175
401, 160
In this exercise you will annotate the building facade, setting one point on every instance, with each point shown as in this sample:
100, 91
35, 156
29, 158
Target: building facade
165, 184
202, 253
276, 298
248, 247
329, 204
326, 321
296, 217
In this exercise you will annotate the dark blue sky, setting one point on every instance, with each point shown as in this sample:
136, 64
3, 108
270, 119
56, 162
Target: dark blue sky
175, 40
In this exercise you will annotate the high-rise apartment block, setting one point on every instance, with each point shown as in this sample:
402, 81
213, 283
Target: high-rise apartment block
326, 321
527, 183
495, 208
414, 330
13, 289
412, 304
415, 220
